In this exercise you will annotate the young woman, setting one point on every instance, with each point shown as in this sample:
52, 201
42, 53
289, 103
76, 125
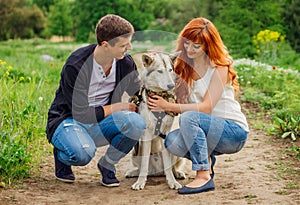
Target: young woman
211, 121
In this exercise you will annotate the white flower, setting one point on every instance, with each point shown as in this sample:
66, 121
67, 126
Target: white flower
40, 99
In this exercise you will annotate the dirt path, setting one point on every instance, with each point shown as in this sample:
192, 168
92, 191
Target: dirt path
243, 178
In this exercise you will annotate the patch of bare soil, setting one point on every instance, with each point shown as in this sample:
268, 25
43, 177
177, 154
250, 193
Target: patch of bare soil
247, 177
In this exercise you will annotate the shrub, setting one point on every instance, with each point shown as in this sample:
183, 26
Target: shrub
273, 89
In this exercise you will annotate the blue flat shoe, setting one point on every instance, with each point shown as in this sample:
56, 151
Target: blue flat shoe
210, 185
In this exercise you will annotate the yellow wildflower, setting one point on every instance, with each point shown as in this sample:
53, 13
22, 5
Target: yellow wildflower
2, 62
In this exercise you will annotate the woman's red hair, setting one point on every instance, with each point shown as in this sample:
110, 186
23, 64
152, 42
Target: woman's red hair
201, 31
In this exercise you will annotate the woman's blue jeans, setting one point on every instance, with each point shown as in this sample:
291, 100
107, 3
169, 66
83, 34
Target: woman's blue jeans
76, 142
201, 135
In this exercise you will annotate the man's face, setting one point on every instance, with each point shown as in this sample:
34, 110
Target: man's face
122, 45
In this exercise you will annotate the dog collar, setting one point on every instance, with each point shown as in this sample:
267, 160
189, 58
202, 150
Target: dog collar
165, 95
138, 98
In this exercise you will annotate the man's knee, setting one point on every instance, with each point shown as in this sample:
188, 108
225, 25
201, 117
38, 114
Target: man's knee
135, 125
83, 156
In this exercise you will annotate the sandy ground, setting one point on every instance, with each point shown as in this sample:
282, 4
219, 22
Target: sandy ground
246, 177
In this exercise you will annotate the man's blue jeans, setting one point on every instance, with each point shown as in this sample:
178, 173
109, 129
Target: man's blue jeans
201, 135
76, 142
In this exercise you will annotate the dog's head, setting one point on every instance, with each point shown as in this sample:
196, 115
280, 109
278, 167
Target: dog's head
158, 73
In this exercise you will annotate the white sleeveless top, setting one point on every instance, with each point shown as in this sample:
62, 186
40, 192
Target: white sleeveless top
227, 107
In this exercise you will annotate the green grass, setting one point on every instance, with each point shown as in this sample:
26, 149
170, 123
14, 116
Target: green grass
27, 87
276, 91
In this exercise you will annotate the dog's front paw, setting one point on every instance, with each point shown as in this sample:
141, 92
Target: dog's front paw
139, 184
179, 174
132, 173
174, 185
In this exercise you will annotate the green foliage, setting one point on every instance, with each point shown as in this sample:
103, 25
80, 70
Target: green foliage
27, 86
15, 159
88, 13
20, 21
268, 44
239, 20
173, 15
289, 126
295, 150
59, 18
138, 12
43, 4
291, 18
273, 89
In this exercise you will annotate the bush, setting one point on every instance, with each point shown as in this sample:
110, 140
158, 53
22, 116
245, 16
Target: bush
273, 89
20, 21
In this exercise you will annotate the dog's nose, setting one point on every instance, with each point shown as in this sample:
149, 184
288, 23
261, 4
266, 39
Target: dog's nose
170, 86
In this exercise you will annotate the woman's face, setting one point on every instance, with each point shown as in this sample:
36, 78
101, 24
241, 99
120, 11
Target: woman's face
193, 50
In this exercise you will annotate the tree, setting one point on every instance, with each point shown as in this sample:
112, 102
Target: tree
18, 20
291, 17
88, 13
174, 15
7, 9
239, 20
43, 4
138, 12
60, 18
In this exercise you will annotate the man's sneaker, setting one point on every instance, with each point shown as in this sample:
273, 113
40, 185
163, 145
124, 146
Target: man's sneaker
62, 172
108, 177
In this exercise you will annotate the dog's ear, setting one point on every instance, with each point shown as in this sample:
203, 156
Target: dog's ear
173, 56
147, 60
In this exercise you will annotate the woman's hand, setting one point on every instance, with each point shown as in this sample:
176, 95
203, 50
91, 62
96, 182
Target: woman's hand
157, 103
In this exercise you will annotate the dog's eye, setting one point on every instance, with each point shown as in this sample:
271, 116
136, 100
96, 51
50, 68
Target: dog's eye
171, 70
160, 71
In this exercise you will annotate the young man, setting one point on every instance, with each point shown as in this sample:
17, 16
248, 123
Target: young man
87, 111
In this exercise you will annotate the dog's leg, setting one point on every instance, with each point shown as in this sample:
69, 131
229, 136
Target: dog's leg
178, 164
145, 155
136, 162
173, 184
136, 170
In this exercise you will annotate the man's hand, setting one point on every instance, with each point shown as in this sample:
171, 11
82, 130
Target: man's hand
109, 109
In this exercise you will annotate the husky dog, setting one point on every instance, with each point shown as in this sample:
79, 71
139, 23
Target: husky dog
150, 156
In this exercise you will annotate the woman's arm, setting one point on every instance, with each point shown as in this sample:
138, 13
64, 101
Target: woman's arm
212, 96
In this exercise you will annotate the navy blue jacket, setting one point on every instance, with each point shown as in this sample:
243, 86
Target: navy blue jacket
71, 98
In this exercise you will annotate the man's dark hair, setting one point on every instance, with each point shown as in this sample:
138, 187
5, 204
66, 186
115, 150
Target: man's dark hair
110, 27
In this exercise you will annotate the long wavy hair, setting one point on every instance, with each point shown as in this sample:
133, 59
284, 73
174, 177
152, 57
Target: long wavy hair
201, 31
